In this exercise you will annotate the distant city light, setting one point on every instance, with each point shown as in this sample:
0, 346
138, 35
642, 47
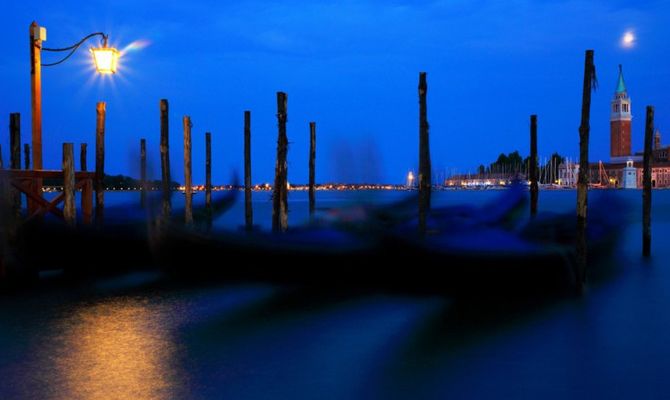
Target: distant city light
628, 39
410, 179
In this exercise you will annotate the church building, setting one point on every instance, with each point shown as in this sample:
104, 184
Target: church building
624, 169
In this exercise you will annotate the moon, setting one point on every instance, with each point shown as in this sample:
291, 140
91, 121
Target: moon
628, 39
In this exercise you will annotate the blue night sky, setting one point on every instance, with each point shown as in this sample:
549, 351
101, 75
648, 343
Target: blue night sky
351, 66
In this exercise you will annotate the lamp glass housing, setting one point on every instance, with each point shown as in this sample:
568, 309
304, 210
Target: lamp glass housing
106, 59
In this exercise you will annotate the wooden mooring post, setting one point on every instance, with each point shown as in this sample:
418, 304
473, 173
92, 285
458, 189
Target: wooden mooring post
15, 156
646, 183
26, 155
248, 211
280, 189
165, 160
312, 157
532, 168
69, 210
143, 172
583, 178
208, 172
100, 162
424, 155
82, 157
188, 178
15, 141
87, 201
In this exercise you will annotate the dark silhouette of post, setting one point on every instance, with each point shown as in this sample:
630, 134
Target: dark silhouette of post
87, 202
424, 155
583, 178
4, 199
100, 162
532, 170
646, 183
165, 159
280, 189
248, 210
82, 156
188, 181
15, 156
143, 172
26, 156
15, 140
312, 157
69, 210
208, 171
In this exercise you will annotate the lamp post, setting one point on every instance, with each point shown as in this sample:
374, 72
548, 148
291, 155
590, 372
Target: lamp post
106, 61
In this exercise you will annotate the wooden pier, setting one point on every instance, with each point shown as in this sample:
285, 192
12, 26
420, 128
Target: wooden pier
25, 182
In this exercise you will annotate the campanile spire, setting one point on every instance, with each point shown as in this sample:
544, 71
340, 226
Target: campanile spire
620, 120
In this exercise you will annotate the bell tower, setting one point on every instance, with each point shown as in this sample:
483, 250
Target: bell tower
620, 119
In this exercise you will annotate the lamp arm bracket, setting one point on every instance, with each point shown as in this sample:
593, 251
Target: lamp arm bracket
79, 43
74, 47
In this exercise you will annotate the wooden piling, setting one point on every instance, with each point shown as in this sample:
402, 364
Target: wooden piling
165, 159
82, 156
312, 157
15, 156
583, 178
208, 171
87, 202
143, 172
15, 140
280, 189
26, 155
532, 170
101, 110
646, 183
248, 211
188, 183
424, 155
69, 211
4, 196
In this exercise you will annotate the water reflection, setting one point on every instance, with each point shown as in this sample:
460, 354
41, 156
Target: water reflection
302, 343
126, 339
116, 350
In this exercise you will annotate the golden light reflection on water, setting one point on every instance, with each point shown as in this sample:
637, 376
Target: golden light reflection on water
117, 350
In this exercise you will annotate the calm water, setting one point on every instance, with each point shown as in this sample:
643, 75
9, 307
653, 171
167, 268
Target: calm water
140, 336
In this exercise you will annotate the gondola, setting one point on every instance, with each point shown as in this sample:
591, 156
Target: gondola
465, 250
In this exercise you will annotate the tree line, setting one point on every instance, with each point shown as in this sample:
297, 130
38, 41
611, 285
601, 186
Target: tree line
513, 164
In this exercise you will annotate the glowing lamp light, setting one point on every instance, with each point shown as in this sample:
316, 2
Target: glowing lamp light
106, 59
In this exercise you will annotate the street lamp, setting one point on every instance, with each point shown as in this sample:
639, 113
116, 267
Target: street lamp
106, 61
106, 58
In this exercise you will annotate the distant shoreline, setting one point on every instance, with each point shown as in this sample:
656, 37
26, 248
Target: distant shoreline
335, 188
